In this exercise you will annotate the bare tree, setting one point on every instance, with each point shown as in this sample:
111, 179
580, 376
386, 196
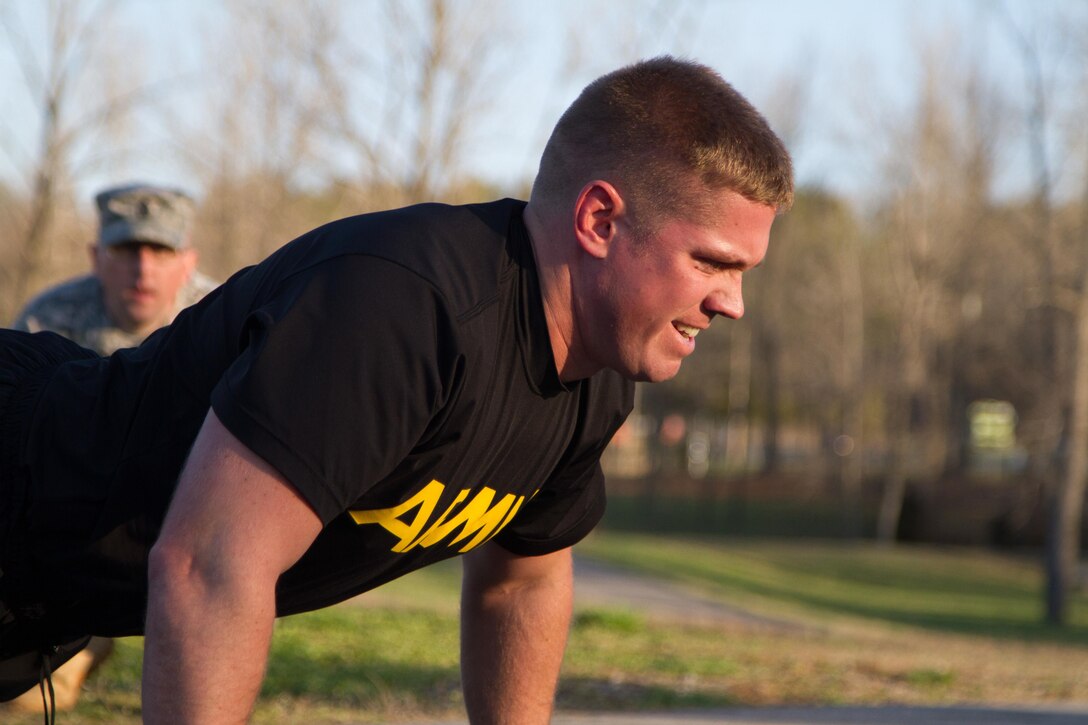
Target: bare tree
50, 79
787, 107
426, 75
86, 95
939, 173
271, 80
325, 108
1061, 312
851, 442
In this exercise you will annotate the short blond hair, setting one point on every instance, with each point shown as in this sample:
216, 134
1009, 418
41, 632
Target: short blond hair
659, 130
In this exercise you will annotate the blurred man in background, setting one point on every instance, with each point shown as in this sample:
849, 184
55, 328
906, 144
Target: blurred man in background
144, 273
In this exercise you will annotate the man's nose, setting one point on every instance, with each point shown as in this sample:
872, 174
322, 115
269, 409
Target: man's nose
726, 299
143, 260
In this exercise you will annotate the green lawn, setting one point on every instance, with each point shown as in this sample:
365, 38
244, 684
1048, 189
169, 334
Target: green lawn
908, 625
954, 590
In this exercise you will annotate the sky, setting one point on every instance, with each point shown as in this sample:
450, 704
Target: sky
849, 54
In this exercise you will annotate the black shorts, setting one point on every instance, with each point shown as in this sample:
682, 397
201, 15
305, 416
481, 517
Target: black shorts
26, 362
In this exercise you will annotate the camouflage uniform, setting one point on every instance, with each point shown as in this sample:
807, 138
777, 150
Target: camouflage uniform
75, 310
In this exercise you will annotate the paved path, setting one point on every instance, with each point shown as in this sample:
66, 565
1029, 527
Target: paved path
600, 585
887, 715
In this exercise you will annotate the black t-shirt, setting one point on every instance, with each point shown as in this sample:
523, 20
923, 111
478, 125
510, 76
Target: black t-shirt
394, 367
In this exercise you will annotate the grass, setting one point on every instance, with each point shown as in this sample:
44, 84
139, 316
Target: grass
869, 626
680, 516
950, 590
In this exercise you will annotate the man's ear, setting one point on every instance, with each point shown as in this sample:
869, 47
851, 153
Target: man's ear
189, 259
92, 250
596, 213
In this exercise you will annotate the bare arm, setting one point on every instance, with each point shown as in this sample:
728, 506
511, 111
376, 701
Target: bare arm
515, 615
233, 527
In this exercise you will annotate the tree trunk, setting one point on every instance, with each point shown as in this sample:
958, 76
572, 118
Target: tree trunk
891, 505
852, 385
740, 388
900, 429
1063, 536
34, 253
770, 373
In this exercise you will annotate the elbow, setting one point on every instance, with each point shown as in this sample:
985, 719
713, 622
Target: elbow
495, 575
169, 565
177, 573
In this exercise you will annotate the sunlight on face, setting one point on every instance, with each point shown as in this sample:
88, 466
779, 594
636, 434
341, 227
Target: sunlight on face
655, 294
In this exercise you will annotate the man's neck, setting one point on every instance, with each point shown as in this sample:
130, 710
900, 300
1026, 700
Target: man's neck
553, 269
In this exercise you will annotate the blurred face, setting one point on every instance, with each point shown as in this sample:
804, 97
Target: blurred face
140, 282
651, 297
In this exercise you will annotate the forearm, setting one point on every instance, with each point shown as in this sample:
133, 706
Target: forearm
512, 641
205, 648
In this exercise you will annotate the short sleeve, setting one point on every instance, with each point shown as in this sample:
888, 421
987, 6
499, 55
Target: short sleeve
343, 367
573, 500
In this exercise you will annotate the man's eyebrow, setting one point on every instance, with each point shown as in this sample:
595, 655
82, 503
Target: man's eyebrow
731, 259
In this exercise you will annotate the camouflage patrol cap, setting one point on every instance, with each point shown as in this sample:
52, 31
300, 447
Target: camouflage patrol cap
144, 213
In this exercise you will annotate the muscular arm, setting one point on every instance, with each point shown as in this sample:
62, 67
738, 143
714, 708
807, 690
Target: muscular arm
233, 527
515, 614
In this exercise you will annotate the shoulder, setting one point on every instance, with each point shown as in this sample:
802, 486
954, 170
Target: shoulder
198, 286
459, 250
429, 259
73, 291
65, 306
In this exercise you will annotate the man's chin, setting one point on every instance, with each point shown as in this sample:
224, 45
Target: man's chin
656, 374
137, 318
